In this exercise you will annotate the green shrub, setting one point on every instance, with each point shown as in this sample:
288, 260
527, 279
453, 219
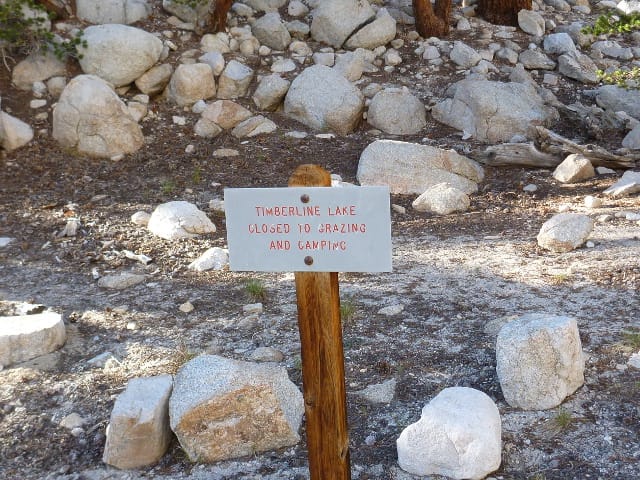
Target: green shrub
24, 28
612, 24
629, 79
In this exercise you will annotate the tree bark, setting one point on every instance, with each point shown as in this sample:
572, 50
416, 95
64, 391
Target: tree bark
502, 12
61, 8
218, 19
430, 23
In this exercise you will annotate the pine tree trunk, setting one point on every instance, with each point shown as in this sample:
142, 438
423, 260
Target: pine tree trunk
218, 20
502, 12
430, 23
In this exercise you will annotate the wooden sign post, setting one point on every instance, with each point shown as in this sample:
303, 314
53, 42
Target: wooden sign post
314, 231
322, 358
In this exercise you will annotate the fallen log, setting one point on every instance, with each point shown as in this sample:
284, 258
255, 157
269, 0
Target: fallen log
549, 150
598, 156
518, 155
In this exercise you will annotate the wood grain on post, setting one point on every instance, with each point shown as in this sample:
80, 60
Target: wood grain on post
322, 357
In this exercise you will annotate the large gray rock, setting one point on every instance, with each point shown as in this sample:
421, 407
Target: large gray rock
630, 141
442, 199
539, 360
138, 433
616, 99
459, 435
179, 219
627, 185
225, 113
265, 5
578, 67
463, 55
493, 111
379, 32
410, 168
37, 67
531, 22
90, 118
188, 11
112, 11
397, 111
335, 20
118, 53
559, 43
323, 99
154, 80
235, 80
24, 337
271, 31
190, 83
565, 232
222, 408
574, 168
14, 133
270, 92
536, 60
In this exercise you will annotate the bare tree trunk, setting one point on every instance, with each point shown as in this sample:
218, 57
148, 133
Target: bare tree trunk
502, 12
430, 23
218, 19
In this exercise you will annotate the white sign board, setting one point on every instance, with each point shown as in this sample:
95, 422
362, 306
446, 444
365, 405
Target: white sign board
315, 229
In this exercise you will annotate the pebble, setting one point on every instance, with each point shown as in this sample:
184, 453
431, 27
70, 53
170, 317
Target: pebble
226, 152
604, 171
590, 244
398, 209
604, 218
71, 421
391, 310
177, 120
4, 241
186, 307
530, 188
592, 202
252, 309
140, 218
634, 361
296, 134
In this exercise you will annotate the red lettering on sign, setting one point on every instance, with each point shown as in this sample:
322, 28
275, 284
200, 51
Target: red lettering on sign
346, 210
280, 245
269, 228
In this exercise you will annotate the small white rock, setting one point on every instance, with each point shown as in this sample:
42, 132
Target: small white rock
391, 310
592, 202
186, 307
252, 309
140, 218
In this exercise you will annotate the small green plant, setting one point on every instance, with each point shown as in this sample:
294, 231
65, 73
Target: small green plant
168, 187
182, 355
538, 476
347, 310
611, 23
255, 290
196, 176
563, 419
632, 338
629, 79
560, 278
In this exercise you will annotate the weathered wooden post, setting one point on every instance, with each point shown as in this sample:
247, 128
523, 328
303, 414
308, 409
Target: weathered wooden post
315, 231
322, 358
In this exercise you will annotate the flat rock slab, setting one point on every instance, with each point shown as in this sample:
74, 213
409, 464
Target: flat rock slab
627, 185
24, 337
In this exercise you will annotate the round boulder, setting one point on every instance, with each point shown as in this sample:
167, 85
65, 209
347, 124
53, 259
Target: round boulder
118, 53
397, 111
90, 118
